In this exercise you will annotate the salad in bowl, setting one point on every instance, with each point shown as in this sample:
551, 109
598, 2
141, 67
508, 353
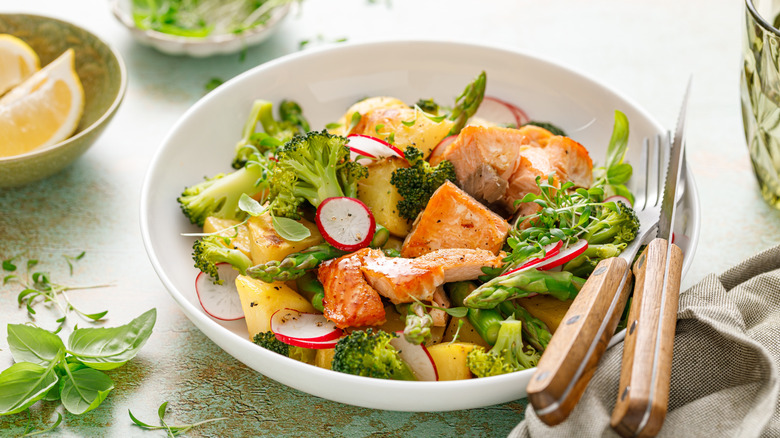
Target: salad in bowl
393, 238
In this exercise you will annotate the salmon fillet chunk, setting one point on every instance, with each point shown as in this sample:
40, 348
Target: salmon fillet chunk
349, 300
453, 219
404, 280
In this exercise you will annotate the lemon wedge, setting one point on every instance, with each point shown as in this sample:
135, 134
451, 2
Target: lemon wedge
43, 110
18, 62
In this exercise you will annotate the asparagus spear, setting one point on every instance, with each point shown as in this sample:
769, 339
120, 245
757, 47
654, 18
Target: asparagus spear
486, 322
294, 265
312, 289
535, 332
562, 285
418, 323
467, 103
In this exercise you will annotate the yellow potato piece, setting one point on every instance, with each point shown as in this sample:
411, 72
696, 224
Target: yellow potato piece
266, 244
404, 127
381, 197
324, 357
467, 333
549, 309
450, 360
260, 300
239, 236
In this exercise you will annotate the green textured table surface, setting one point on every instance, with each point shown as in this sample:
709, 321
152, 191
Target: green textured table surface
645, 49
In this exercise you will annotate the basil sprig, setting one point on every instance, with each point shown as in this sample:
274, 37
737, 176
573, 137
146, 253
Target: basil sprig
47, 369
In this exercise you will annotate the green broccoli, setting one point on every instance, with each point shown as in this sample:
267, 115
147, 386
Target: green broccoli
277, 132
417, 182
210, 250
368, 353
507, 355
613, 225
312, 168
429, 106
269, 341
218, 196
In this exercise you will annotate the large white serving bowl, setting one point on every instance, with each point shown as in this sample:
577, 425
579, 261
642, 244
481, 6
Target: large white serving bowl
326, 82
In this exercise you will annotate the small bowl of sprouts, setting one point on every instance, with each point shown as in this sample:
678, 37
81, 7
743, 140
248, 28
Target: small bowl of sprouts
201, 28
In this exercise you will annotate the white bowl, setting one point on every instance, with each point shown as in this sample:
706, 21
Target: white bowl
325, 82
222, 44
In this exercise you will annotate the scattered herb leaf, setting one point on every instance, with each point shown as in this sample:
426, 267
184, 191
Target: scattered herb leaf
171, 430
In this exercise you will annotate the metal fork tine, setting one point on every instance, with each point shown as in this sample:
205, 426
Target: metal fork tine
642, 174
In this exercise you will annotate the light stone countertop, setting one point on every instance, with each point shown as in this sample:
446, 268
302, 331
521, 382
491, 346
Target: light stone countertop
644, 49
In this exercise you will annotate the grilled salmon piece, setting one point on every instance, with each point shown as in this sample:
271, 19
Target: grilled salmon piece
349, 301
494, 145
453, 219
404, 280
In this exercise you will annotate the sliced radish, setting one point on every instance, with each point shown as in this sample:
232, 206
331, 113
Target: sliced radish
438, 151
497, 111
618, 198
345, 223
220, 301
417, 357
563, 256
371, 147
324, 345
291, 324
549, 251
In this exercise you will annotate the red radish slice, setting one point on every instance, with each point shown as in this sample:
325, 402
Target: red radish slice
563, 256
220, 301
291, 324
618, 198
497, 111
417, 357
549, 251
345, 223
372, 147
440, 148
309, 344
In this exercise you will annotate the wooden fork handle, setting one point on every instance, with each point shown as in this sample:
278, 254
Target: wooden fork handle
571, 357
647, 351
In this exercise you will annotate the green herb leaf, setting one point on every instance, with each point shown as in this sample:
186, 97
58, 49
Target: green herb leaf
618, 144
457, 312
619, 174
354, 120
109, 348
250, 206
9, 278
408, 122
290, 229
332, 125
84, 389
8, 265
171, 430
23, 384
213, 83
33, 344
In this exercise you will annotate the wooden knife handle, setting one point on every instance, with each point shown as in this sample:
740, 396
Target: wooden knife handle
571, 357
647, 350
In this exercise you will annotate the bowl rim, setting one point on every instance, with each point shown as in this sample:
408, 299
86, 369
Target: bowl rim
208, 326
106, 114
277, 15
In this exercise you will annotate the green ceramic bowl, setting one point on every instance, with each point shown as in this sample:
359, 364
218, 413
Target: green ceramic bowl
102, 73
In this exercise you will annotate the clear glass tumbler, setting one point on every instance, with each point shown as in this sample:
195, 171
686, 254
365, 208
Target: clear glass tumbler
760, 83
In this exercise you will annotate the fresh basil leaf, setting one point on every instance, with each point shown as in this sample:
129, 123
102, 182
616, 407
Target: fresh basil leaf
289, 229
33, 344
619, 141
109, 348
249, 205
83, 390
619, 173
23, 384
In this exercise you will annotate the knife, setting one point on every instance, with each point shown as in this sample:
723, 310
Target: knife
643, 395
571, 357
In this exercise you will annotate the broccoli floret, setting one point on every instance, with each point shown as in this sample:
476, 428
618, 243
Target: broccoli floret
507, 355
269, 341
312, 168
210, 250
417, 182
276, 132
612, 226
218, 196
366, 353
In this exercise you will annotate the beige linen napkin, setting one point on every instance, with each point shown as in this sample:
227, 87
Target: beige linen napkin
725, 368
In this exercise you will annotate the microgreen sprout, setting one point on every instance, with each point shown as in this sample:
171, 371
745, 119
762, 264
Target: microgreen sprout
171, 430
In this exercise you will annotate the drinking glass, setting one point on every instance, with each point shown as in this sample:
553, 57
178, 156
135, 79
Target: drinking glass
760, 89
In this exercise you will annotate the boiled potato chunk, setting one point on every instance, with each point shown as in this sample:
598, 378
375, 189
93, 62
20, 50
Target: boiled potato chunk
260, 300
549, 309
404, 127
363, 107
239, 236
381, 197
450, 360
467, 333
324, 357
266, 245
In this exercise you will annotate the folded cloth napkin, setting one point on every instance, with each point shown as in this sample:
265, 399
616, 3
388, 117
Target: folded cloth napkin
725, 367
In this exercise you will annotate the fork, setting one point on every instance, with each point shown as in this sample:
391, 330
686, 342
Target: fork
571, 357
